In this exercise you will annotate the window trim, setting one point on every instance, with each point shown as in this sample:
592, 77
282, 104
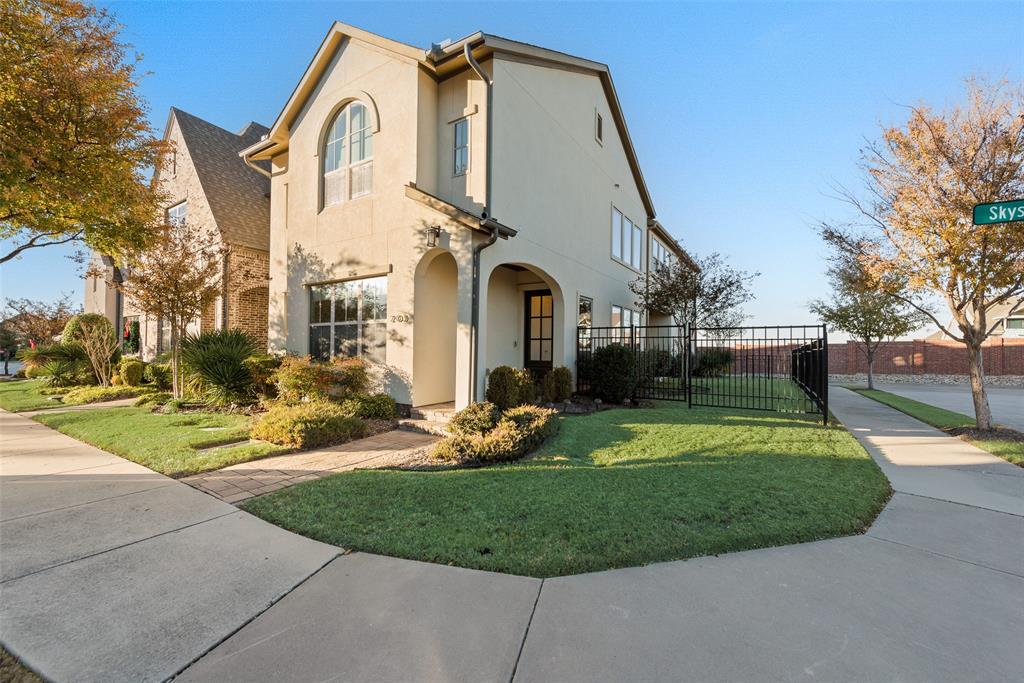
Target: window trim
635, 240
359, 323
455, 146
1008, 319
167, 212
346, 167
598, 127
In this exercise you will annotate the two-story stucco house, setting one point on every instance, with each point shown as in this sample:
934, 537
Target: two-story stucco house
446, 211
208, 185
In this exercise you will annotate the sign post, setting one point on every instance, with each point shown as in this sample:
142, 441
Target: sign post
999, 212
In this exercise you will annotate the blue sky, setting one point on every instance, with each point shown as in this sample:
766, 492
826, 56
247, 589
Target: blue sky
743, 115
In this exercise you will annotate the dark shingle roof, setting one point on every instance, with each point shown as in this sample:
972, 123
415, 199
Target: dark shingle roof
239, 197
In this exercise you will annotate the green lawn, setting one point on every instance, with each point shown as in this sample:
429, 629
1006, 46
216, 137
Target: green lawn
755, 392
165, 443
1005, 443
20, 395
613, 489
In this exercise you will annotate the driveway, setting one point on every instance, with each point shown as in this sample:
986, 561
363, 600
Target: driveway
934, 591
1007, 403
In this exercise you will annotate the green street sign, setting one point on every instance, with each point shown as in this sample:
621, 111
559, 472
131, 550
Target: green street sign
999, 212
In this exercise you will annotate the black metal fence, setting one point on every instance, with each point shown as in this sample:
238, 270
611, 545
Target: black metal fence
778, 368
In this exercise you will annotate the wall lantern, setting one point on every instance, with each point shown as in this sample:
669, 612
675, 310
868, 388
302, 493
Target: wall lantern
433, 234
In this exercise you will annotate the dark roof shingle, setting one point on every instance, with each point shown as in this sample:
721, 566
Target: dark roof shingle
239, 197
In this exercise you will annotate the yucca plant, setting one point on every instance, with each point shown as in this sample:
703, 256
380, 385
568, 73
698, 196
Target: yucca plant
214, 366
62, 364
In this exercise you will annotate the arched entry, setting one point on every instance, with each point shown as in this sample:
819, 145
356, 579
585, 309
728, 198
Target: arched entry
525, 316
435, 323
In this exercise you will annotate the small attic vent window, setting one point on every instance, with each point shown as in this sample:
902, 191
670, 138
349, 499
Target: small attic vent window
598, 128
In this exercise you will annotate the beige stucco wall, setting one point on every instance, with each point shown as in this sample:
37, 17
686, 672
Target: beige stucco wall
552, 182
378, 234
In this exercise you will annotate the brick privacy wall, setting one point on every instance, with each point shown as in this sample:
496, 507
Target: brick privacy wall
248, 294
927, 356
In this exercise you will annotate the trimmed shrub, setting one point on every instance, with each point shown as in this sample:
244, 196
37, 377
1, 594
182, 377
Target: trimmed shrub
72, 333
159, 375
214, 366
308, 425
154, 398
131, 371
712, 362
298, 378
476, 418
518, 431
613, 373
82, 395
116, 380
509, 387
34, 371
375, 407
262, 367
349, 378
557, 385
658, 363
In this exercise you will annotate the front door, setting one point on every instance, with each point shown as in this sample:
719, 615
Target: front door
540, 326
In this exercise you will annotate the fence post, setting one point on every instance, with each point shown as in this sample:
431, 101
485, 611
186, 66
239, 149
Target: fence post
824, 384
687, 331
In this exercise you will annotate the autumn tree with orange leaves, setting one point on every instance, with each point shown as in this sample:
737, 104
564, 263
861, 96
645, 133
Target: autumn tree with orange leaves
75, 145
915, 232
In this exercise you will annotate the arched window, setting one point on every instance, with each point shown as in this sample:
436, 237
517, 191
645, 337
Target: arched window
348, 155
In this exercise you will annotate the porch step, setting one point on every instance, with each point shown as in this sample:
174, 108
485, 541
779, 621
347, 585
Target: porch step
440, 413
423, 426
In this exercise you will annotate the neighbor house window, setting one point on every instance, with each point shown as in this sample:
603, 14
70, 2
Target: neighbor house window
348, 155
349, 319
584, 320
177, 214
461, 136
627, 240
1015, 323
598, 128
660, 254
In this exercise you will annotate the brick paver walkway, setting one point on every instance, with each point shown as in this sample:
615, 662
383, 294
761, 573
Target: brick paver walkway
238, 482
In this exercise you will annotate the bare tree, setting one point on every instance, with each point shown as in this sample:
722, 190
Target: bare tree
100, 342
923, 180
708, 296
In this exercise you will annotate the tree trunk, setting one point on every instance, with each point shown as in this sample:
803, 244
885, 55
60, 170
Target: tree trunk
871, 370
982, 413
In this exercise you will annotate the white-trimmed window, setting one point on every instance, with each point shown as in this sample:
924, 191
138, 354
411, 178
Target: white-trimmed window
624, 317
1015, 323
660, 254
177, 214
349, 319
627, 241
348, 155
460, 135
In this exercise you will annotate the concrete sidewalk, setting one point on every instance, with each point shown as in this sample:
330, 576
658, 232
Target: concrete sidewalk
933, 592
142, 577
111, 572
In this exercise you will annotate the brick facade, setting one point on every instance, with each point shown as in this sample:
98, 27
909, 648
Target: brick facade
248, 293
1001, 356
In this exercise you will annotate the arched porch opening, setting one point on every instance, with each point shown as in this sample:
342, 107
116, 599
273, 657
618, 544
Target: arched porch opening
435, 326
524, 320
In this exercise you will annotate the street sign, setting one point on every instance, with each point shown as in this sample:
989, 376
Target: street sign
999, 212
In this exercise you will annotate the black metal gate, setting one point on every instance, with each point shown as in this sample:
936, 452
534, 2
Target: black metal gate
777, 368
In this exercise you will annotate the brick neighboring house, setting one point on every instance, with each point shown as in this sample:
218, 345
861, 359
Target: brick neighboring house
209, 185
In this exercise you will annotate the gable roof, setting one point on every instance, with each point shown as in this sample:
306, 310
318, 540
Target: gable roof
439, 62
239, 197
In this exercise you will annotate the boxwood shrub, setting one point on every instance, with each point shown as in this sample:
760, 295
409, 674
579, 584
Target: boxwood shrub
613, 373
509, 387
374, 407
518, 431
308, 425
557, 385
476, 418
